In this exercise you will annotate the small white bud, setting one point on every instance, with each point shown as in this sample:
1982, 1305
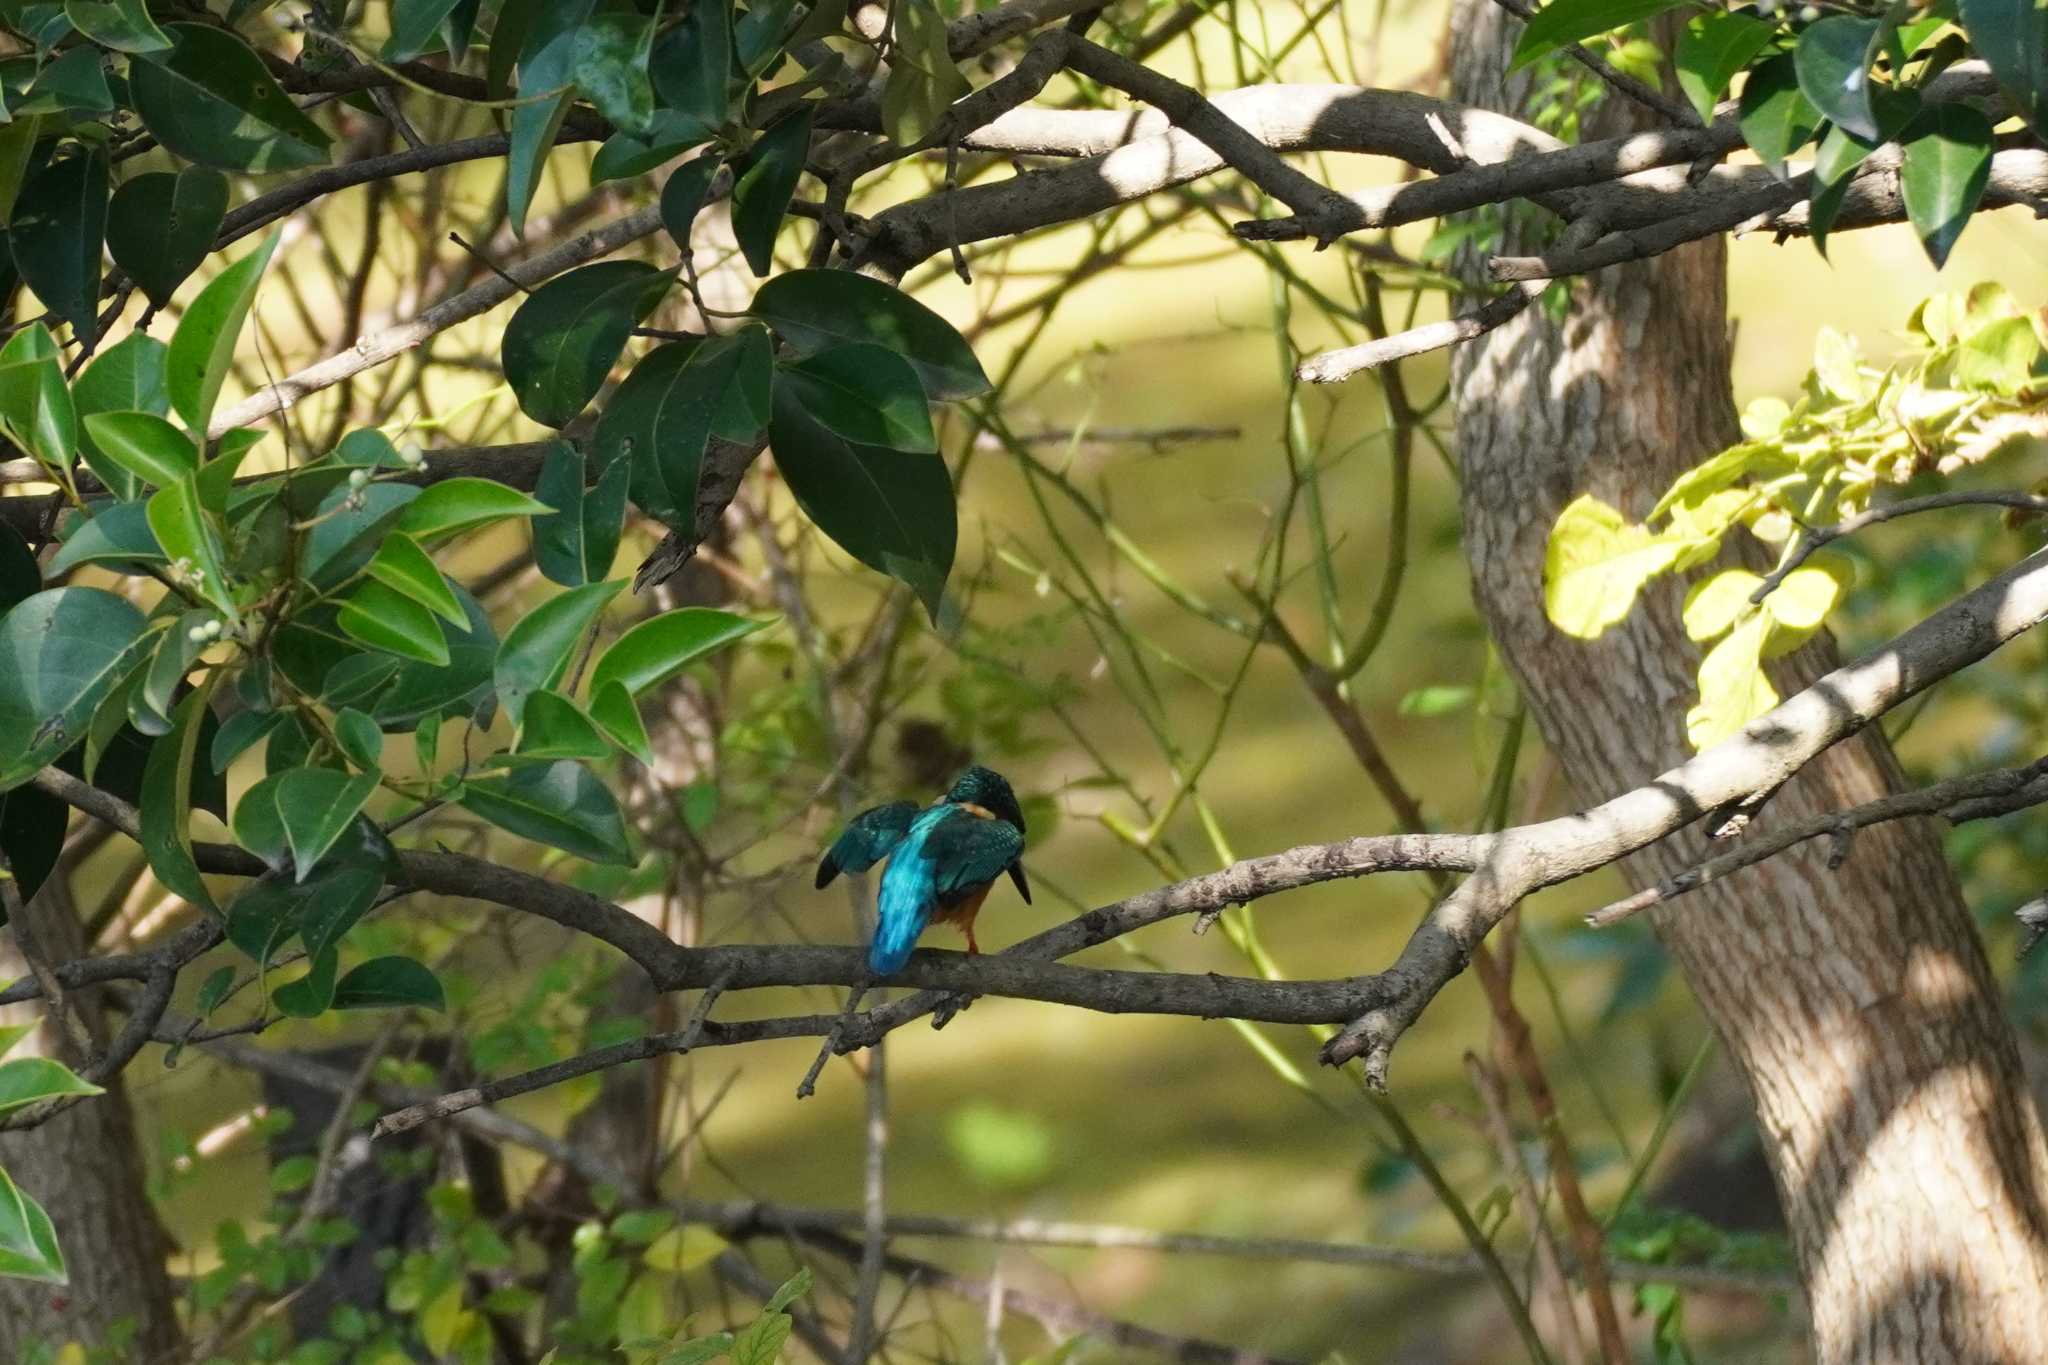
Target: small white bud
358, 479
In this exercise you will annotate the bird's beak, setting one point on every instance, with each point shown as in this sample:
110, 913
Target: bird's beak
1023, 887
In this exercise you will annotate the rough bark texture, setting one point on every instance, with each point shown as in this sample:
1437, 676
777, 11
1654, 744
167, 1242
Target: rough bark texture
1857, 1004
85, 1168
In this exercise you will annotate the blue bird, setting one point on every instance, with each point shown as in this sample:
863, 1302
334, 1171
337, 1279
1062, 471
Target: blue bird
942, 861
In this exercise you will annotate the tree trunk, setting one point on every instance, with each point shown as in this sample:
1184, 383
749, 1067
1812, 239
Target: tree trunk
1857, 1004
85, 1168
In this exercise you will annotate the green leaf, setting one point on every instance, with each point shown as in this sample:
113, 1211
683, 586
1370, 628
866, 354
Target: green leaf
610, 66
402, 565
764, 182
537, 649
1712, 47
892, 511
923, 80
547, 60
322, 908
1733, 688
129, 376
683, 196
2012, 35
32, 827
1999, 357
615, 713
147, 447
149, 703
360, 738
577, 544
122, 25
56, 234
1833, 60
310, 995
239, 733
662, 646
349, 529
385, 983
1841, 152
762, 34
203, 348
117, 533
211, 100
162, 226
61, 652
625, 157
1717, 602
312, 808
692, 65
1776, 118
1943, 175
74, 84
815, 309
167, 802
1562, 23
1596, 563
186, 533
1804, 598
564, 339
559, 804
791, 1289
28, 1244
455, 505
20, 578
416, 26
554, 727
18, 145
761, 1341
36, 410
866, 393
658, 424
384, 618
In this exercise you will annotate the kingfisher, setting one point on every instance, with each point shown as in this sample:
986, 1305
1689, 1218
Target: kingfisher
942, 860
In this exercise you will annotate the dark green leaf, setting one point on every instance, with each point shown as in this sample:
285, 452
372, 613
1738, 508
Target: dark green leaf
1943, 176
1711, 48
657, 424
611, 69
692, 64
76, 83
567, 335
360, 737
2012, 35
892, 511
866, 393
577, 544
764, 181
129, 376
814, 309
455, 505
1562, 23
624, 156
401, 564
203, 348
117, 533
56, 234
554, 727
28, 1244
547, 60
214, 990
19, 147
1776, 118
19, 576
761, 34
239, 733
302, 811
149, 703
32, 824
122, 25
384, 618
61, 652
1841, 152
167, 803
416, 26
210, 100
559, 804
147, 447
682, 198
923, 79
742, 367
385, 983
345, 537
1833, 59
662, 646
537, 649
161, 226
309, 996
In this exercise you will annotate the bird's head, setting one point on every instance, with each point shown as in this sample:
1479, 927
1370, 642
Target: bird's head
990, 790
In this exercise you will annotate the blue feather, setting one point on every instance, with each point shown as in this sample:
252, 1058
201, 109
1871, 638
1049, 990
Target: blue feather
909, 893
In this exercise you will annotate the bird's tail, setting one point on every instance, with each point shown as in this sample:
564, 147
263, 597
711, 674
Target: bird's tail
901, 912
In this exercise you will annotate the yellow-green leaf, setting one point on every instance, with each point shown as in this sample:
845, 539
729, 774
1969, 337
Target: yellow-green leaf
1733, 688
683, 1249
1715, 603
1596, 562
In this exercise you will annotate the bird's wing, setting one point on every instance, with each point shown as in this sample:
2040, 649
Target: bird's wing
969, 852
867, 840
